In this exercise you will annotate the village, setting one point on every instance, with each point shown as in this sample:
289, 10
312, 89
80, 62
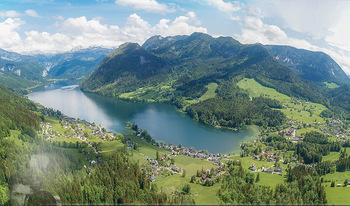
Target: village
75, 128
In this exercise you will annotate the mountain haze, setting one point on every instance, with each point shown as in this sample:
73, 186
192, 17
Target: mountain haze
313, 66
73, 64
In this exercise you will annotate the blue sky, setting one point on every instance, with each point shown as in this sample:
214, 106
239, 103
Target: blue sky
61, 25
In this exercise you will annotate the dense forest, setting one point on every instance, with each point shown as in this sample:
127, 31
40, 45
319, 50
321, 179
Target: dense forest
302, 187
16, 113
236, 112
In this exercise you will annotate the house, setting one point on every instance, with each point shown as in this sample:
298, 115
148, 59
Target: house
153, 178
269, 171
175, 169
217, 171
278, 169
338, 185
270, 159
204, 177
150, 159
255, 158
192, 149
253, 167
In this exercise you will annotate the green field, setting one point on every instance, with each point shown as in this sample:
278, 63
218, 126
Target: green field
337, 195
109, 147
201, 195
150, 94
297, 110
172, 183
271, 180
332, 156
210, 93
247, 161
331, 85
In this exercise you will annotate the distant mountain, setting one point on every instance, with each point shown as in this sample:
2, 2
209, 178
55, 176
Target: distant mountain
191, 62
313, 66
19, 71
72, 65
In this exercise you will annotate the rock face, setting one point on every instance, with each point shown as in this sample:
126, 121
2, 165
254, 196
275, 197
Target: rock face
313, 66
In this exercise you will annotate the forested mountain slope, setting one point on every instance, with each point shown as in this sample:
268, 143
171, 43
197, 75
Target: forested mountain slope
313, 66
190, 63
15, 113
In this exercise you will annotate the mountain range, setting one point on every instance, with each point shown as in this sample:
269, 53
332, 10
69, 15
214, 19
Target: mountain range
21, 71
200, 58
189, 63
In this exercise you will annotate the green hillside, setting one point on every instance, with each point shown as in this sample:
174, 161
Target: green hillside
16, 114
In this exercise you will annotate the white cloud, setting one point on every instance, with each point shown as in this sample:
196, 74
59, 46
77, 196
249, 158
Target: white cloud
225, 6
9, 14
254, 30
181, 25
59, 17
229, 7
32, 13
340, 32
8, 35
146, 5
81, 32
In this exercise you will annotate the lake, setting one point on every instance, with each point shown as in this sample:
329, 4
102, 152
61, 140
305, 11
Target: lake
163, 121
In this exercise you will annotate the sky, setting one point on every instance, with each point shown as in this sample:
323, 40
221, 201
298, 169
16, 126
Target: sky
51, 26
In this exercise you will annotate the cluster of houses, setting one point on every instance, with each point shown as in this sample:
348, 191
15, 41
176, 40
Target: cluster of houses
277, 170
269, 156
78, 132
191, 152
155, 168
291, 131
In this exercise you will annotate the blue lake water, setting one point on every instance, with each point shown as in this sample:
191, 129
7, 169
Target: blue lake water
163, 121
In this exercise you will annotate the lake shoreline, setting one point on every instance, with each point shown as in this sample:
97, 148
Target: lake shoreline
162, 119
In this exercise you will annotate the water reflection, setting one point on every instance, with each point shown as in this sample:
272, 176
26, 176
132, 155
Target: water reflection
162, 121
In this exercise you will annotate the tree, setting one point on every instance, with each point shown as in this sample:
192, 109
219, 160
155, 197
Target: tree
332, 184
257, 178
172, 162
157, 155
193, 178
184, 173
186, 189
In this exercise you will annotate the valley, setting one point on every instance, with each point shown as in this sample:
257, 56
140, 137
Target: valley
184, 120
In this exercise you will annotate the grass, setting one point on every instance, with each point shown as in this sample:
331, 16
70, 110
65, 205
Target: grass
146, 148
172, 183
331, 85
247, 161
210, 93
297, 110
110, 146
271, 180
255, 90
149, 94
191, 165
201, 194
337, 195
332, 156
